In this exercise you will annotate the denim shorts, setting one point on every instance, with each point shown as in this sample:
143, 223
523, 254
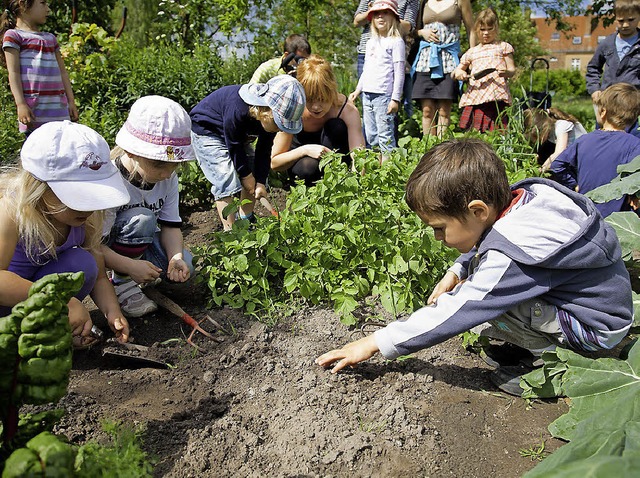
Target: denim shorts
216, 164
378, 125
138, 226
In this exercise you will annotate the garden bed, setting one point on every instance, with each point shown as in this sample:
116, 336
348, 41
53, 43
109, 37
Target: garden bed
257, 405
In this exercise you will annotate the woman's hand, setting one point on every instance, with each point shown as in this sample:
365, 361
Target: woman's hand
350, 354
354, 96
429, 34
315, 150
446, 284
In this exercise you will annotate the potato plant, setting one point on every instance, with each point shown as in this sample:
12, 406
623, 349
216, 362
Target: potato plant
349, 237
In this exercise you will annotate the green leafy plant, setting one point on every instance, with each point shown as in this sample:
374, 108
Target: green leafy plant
35, 350
535, 452
348, 237
603, 423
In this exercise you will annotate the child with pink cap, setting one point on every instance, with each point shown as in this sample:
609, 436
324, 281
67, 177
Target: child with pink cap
51, 221
145, 242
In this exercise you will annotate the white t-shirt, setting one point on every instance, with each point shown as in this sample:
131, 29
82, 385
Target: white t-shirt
575, 130
162, 199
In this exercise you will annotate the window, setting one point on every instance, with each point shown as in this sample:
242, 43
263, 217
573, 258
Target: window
553, 59
555, 36
575, 63
601, 37
577, 40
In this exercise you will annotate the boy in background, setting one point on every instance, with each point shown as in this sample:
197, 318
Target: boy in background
594, 157
617, 57
539, 266
296, 49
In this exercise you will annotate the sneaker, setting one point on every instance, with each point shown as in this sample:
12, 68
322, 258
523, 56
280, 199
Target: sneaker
507, 378
505, 355
133, 302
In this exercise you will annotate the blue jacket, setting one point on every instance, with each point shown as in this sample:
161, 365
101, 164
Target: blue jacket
555, 246
593, 161
615, 71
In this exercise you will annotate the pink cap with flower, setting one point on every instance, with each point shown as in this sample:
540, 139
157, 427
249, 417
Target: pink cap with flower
380, 5
157, 128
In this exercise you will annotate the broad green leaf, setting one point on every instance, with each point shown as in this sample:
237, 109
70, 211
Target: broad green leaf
241, 263
630, 167
636, 309
616, 189
596, 467
627, 227
604, 388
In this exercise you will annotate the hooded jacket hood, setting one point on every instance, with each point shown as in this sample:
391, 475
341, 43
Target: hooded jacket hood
556, 229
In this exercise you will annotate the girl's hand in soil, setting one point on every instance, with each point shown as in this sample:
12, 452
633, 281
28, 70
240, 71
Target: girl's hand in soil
119, 326
178, 270
143, 272
350, 354
446, 284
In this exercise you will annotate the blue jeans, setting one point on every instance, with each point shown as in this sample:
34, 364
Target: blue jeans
378, 125
216, 164
138, 226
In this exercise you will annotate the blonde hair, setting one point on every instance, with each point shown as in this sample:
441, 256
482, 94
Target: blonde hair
394, 29
29, 204
487, 18
261, 113
317, 78
134, 174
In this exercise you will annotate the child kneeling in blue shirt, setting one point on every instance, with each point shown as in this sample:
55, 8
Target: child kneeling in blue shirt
539, 266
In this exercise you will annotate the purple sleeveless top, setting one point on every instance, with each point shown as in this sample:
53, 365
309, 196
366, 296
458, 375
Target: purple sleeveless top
25, 267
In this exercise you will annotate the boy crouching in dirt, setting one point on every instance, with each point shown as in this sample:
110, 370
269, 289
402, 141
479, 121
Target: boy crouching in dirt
539, 268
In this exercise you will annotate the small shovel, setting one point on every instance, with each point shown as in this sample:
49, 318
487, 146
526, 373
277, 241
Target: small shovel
114, 350
482, 73
124, 358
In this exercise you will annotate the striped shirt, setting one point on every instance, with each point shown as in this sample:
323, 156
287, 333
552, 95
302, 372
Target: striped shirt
40, 75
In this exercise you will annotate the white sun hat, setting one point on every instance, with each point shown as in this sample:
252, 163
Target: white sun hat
157, 128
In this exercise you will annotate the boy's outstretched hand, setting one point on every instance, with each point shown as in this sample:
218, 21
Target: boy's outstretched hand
350, 354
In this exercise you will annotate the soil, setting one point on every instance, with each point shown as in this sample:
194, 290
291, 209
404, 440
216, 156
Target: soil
254, 404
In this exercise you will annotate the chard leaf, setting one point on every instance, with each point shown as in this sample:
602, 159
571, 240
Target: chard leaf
602, 391
627, 227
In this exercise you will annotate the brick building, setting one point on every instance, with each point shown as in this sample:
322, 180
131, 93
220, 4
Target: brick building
572, 49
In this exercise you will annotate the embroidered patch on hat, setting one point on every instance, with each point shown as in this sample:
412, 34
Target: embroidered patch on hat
92, 161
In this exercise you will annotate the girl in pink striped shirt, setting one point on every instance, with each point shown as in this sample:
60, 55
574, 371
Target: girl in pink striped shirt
37, 77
